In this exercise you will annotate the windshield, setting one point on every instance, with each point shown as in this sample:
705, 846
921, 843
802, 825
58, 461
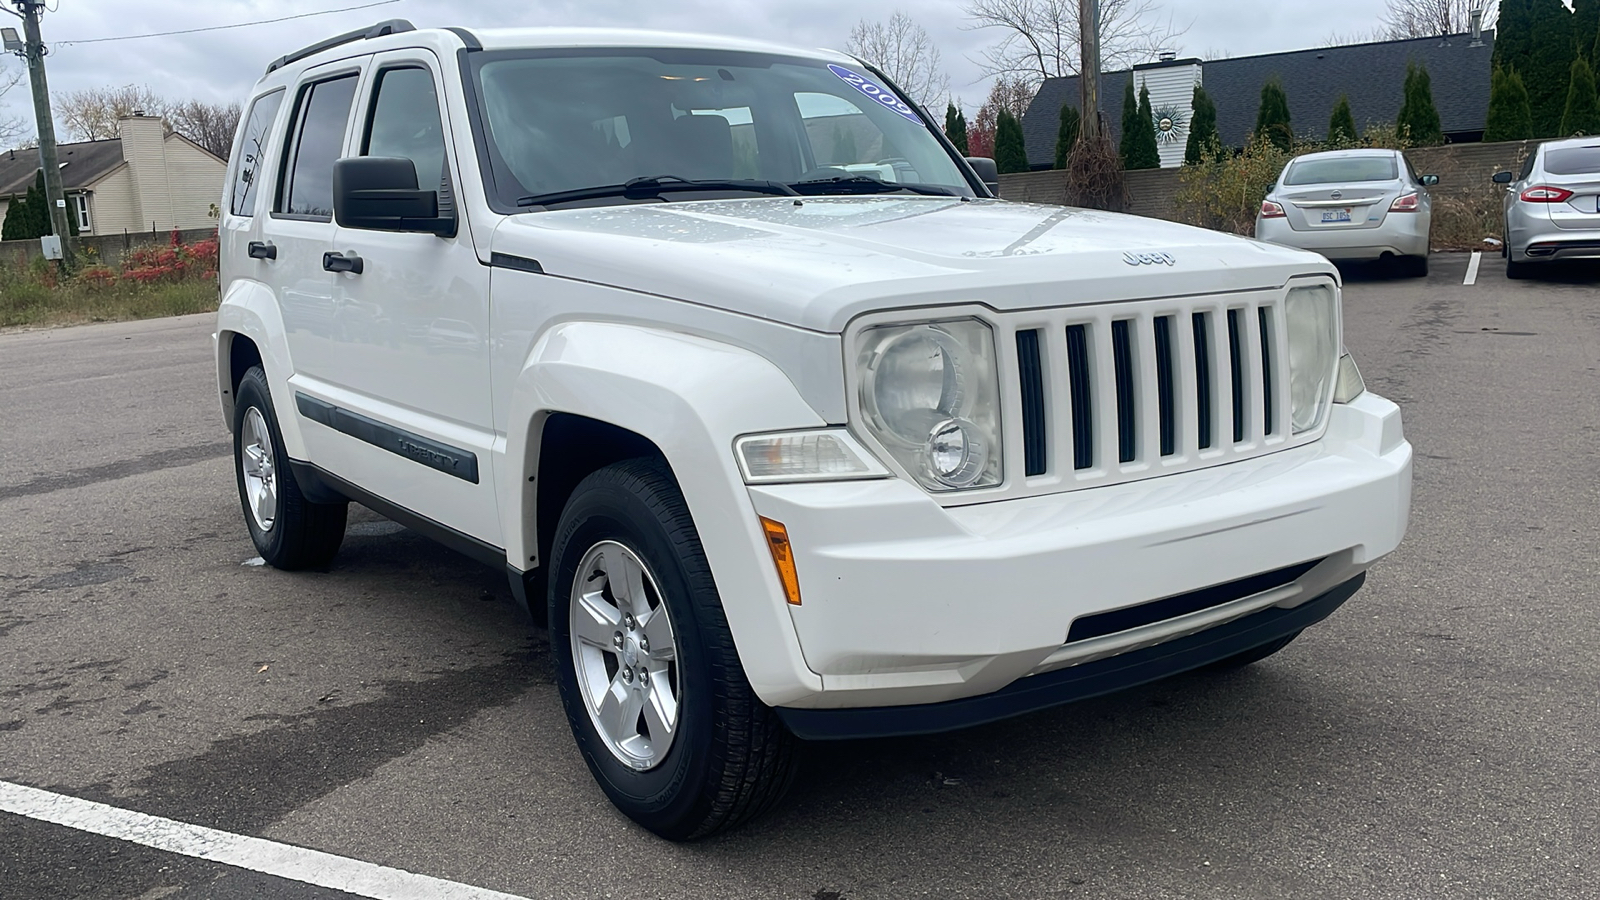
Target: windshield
1342, 171
565, 121
1573, 161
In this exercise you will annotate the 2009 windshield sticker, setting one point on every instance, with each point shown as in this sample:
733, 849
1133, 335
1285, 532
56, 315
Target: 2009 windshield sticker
865, 86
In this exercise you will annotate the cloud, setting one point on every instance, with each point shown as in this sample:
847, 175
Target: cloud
221, 66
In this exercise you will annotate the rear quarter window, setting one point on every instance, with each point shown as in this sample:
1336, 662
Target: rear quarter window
249, 156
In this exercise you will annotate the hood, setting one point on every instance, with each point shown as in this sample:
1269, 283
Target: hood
820, 262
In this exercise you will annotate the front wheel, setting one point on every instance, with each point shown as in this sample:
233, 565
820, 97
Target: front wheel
289, 531
649, 675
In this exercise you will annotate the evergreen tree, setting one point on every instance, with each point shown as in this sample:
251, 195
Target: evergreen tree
1548, 66
1130, 123
1513, 34
1342, 126
18, 219
955, 128
1510, 118
1010, 151
1586, 28
1419, 119
1067, 134
1146, 153
1272, 120
1202, 127
1582, 115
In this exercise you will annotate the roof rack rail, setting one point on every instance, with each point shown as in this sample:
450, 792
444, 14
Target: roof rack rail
392, 26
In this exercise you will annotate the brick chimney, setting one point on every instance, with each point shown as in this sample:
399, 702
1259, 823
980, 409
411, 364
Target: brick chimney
144, 146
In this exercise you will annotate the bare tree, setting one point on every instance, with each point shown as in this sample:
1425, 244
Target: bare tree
1008, 93
12, 128
211, 125
903, 50
1040, 38
1429, 18
91, 115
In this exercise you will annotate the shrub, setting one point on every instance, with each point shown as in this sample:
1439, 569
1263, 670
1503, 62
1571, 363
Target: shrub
1419, 119
1342, 126
1010, 151
1582, 115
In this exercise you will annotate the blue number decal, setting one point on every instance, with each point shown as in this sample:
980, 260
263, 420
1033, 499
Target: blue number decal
878, 94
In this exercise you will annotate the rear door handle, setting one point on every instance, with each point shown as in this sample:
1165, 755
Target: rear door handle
338, 262
259, 250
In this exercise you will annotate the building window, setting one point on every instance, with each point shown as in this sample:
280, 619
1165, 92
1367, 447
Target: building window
81, 204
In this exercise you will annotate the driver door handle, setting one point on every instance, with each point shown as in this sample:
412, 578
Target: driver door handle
338, 262
259, 250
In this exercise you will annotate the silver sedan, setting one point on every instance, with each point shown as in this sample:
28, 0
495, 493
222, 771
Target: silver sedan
1352, 205
1553, 209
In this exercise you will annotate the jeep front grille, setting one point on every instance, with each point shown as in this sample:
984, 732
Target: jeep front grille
1115, 393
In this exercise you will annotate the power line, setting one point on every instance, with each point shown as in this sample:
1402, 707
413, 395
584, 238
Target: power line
135, 37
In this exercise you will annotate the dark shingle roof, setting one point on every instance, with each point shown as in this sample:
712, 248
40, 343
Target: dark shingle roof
85, 164
1371, 74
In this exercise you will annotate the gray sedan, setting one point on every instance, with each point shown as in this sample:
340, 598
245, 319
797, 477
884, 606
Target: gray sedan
1352, 205
1553, 208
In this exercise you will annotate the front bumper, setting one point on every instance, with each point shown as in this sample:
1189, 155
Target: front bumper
1093, 679
909, 603
1401, 234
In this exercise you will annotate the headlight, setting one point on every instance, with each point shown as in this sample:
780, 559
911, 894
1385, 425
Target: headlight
930, 394
1313, 317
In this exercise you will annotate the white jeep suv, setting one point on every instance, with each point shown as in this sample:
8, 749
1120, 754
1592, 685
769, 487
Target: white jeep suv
790, 428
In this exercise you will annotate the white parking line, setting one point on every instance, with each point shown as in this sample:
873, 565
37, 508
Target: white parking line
313, 867
1472, 267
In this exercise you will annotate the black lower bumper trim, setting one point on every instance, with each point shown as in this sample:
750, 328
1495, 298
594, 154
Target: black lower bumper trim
1038, 692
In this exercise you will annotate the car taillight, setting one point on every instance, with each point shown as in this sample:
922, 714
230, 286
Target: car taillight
1270, 210
1546, 194
1408, 203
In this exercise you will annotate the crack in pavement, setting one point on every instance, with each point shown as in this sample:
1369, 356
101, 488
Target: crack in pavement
150, 462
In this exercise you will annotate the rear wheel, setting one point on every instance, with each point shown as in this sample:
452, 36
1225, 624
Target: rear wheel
289, 531
1253, 655
1517, 271
1415, 266
649, 675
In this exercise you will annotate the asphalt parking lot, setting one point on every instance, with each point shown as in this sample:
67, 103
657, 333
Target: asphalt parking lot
1436, 738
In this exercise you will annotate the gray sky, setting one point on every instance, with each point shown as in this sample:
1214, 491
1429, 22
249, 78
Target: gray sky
221, 66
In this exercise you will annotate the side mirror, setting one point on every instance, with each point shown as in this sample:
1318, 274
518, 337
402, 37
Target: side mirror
1502, 178
1429, 180
380, 194
987, 172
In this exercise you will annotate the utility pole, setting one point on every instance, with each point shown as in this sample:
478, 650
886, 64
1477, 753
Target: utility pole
33, 50
1089, 68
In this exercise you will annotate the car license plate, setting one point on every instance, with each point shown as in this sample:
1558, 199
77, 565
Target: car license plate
1331, 216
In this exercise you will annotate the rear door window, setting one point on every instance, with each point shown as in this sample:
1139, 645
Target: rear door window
317, 141
248, 157
1573, 161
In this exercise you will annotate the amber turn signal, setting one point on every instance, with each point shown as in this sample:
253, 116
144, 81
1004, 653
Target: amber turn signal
782, 557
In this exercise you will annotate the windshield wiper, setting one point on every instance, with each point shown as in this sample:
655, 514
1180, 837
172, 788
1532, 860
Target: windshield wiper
865, 184
650, 186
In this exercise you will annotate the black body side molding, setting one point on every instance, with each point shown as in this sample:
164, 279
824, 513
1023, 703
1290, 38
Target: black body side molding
321, 486
463, 464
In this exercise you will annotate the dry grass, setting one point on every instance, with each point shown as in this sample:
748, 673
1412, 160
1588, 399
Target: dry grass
1462, 221
36, 305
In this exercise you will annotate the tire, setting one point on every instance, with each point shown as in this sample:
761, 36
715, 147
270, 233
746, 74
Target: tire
1416, 266
1517, 271
727, 757
289, 531
1253, 655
